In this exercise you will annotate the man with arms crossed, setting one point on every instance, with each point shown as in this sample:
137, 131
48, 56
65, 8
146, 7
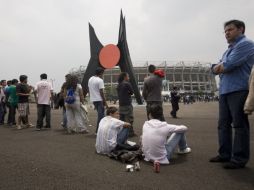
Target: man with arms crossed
234, 69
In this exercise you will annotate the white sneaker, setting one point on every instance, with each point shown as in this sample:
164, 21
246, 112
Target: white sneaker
19, 127
184, 151
30, 125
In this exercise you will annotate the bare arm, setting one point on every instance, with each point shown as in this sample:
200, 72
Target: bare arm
103, 98
126, 125
81, 95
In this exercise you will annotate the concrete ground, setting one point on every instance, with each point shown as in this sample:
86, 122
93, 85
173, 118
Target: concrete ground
50, 159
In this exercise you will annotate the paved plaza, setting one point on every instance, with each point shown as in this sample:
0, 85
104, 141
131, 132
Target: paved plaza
51, 159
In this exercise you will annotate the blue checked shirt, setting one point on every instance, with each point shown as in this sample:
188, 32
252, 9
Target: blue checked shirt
237, 61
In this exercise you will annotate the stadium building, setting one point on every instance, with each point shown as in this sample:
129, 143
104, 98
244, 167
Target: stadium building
189, 77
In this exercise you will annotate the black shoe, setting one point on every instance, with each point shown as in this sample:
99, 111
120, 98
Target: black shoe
232, 166
218, 159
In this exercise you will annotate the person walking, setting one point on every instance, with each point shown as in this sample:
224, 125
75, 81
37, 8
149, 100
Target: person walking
234, 70
96, 87
43, 93
175, 97
124, 91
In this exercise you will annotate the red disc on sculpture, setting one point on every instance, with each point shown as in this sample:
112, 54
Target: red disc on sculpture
109, 56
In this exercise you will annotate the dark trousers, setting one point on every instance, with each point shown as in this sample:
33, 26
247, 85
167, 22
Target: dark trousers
175, 108
100, 112
9, 113
3, 112
126, 114
148, 107
234, 146
42, 111
12, 114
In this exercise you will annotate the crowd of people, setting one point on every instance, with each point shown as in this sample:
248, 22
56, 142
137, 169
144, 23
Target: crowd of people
159, 139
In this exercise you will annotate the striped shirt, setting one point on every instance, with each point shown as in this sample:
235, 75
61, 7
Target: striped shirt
106, 139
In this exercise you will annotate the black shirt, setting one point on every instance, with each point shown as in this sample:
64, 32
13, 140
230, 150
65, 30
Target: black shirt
22, 88
175, 97
124, 91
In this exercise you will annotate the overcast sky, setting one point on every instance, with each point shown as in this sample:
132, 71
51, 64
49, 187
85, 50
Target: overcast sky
51, 36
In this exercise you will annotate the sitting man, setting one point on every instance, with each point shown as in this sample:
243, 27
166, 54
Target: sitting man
112, 133
159, 138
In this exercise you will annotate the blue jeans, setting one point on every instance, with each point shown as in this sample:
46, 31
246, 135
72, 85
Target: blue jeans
174, 140
122, 137
234, 146
100, 112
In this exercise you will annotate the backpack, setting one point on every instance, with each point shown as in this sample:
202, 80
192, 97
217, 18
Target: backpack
70, 97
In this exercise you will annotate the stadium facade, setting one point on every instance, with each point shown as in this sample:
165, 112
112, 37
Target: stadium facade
189, 77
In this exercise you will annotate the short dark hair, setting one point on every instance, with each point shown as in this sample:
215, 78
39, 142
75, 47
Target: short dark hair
67, 75
2, 81
122, 76
9, 82
174, 87
151, 68
156, 111
99, 71
111, 110
239, 24
43, 76
14, 81
22, 78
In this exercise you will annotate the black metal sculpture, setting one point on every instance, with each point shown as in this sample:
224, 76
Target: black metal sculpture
125, 63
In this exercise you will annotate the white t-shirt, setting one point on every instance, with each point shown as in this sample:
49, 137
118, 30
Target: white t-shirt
106, 138
2, 95
154, 138
95, 83
44, 89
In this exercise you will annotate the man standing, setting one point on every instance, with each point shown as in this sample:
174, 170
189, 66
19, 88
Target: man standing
124, 91
175, 97
23, 92
96, 87
2, 96
3, 85
234, 70
152, 91
43, 93
13, 101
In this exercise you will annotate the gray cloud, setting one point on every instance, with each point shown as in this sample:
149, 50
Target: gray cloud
52, 35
